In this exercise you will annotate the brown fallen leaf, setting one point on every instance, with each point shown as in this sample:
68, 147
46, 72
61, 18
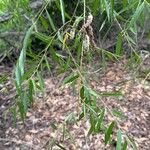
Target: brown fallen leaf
28, 137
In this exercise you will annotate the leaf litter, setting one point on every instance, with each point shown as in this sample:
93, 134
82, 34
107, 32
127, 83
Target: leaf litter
45, 127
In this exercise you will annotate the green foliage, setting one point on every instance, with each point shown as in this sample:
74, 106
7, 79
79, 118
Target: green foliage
55, 28
119, 139
13, 21
109, 132
15, 10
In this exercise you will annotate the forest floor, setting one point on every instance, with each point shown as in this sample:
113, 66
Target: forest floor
50, 110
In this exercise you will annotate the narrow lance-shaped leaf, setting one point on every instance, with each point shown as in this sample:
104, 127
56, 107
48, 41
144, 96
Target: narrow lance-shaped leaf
119, 45
107, 8
70, 78
18, 89
118, 114
119, 139
131, 142
125, 2
44, 23
62, 11
137, 13
47, 64
100, 120
31, 90
97, 94
51, 21
21, 109
54, 55
41, 81
92, 123
29, 72
21, 61
112, 8
96, 6
25, 101
116, 94
109, 132
82, 92
125, 144
57, 2
77, 21
92, 92
18, 75
43, 38
102, 25
81, 116
23, 51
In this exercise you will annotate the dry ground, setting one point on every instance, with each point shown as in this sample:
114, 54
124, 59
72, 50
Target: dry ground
51, 109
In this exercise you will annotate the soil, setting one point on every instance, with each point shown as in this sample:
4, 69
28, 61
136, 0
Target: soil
44, 125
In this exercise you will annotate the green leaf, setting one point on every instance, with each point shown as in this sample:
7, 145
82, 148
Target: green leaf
18, 75
50, 21
91, 109
31, 90
54, 54
125, 2
96, 6
54, 127
32, 55
115, 94
124, 147
77, 21
137, 13
109, 132
87, 94
130, 39
21, 109
109, 54
62, 11
18, 89
92, 92
70, 78
35, 86
29, 72
44, 23
60, 36
131, 142
25, 101
19, 72
43, 38
41, 81
112, 8
81, 116
96, 94
47, 64
100, 120
82, 92
107, 8
102, 25
119, 139
118, 114
92, 123
119, 45
71, 118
